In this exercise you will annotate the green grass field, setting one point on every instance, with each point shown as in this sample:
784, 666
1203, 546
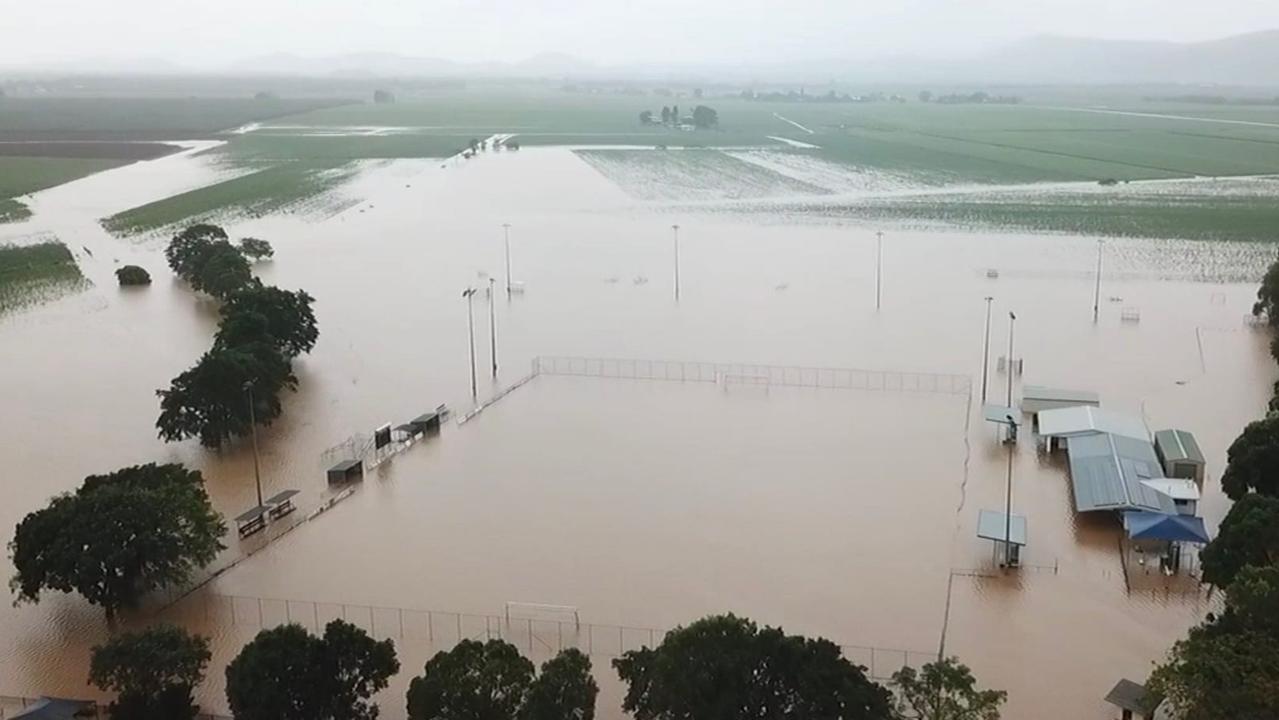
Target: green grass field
34, 273
22, 175
296, 185
12, 211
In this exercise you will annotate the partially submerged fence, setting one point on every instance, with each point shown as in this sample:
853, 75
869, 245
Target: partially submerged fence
535, 637
772, 375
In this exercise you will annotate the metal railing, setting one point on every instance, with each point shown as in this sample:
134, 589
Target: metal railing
441, 630
778, 375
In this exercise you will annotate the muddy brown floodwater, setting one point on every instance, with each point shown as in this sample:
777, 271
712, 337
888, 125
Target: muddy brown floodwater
848, 513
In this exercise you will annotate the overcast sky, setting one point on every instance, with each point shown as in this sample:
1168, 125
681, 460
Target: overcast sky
210, 32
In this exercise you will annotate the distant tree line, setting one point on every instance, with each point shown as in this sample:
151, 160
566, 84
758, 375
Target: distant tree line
1214, 100
262, 329
977, 98
704, 117
830, 96
718, 668
1228, 666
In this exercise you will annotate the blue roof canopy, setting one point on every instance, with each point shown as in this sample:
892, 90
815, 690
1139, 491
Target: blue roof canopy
1159, 526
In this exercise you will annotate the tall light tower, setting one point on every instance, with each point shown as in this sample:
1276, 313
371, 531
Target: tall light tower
492, 327
253, 425
985, 352
469, 293
1096, 298
675, 230
1012, 322
1008, 496
506, 236
879, 265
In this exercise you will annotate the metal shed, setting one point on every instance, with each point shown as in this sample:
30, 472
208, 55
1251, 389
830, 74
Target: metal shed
1130, 698
1107, 470
1180, 455
1081, 421
1037, 398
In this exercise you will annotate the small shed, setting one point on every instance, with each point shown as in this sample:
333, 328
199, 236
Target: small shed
1130, 698
346, 471
1036, 398
1005, 531
252, 521
1056, 426
1180, 455
426, 422
1184, 493
281, 504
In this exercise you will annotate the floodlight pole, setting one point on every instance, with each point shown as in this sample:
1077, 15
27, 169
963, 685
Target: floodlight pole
675, 230
470, 328
492, 327
879, 265
506, 235
1008, 497
1096, 298
985, 352
253, 426
1012, 322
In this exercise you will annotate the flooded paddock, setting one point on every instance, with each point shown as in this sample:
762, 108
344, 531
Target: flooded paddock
643, 503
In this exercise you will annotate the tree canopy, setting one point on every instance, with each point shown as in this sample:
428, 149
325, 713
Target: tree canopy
288, 674
1228, 666
944, 690
1249, 535
210, 401
118, 537
132, 275
492, 681
153, 671
255, 249
289, 319
1267, 304
705, 117
1252, 461
204, 257
726, 668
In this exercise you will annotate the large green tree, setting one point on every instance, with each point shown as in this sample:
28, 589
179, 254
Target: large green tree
1228, 666
118, 537
288, 674
726, 668
944, 690
189, 249
211, 400
153, 672
473, 681
564, 690
1252, 461
1267, 304
287, 317
1249, 535
204, 257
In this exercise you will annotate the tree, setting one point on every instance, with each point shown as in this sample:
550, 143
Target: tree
1267, 304
564, 690
705, 117
132, 275
153, 671
383, 97
1249, 535
188, 250
118, 537
725, 668
224, 271
1228, 666
474, 680
1252, 461
646, 117
675, 118
288, 319
210, 401
286, 673
255, 249
944, 690
666, 115
925, 96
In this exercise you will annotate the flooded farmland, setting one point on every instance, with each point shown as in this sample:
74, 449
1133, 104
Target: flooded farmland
847, 513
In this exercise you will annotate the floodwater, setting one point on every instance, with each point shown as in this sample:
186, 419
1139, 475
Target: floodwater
845, 513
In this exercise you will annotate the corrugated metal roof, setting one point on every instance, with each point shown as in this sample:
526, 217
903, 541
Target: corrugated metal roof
1179, 445
1107, 471
993, 525
1087, 420
1040, 392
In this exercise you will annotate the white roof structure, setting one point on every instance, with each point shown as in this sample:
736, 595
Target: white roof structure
1175, 488
1087, 420
1037, 398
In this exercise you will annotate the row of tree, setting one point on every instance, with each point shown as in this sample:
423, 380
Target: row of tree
1228, 666
718, 668
703, 118
262, 329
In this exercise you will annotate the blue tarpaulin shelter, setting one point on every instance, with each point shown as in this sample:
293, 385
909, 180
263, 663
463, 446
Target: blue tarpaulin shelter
1169, 528
47, 708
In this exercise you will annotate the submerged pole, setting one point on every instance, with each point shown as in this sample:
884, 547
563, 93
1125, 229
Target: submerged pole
985, 352
470, 329
492, 327
1096, 298
253, 426
879, 266
675, 230
1008, 498
1012, 322
506, 237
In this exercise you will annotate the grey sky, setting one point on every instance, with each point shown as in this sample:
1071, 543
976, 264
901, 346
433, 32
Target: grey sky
205, 33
